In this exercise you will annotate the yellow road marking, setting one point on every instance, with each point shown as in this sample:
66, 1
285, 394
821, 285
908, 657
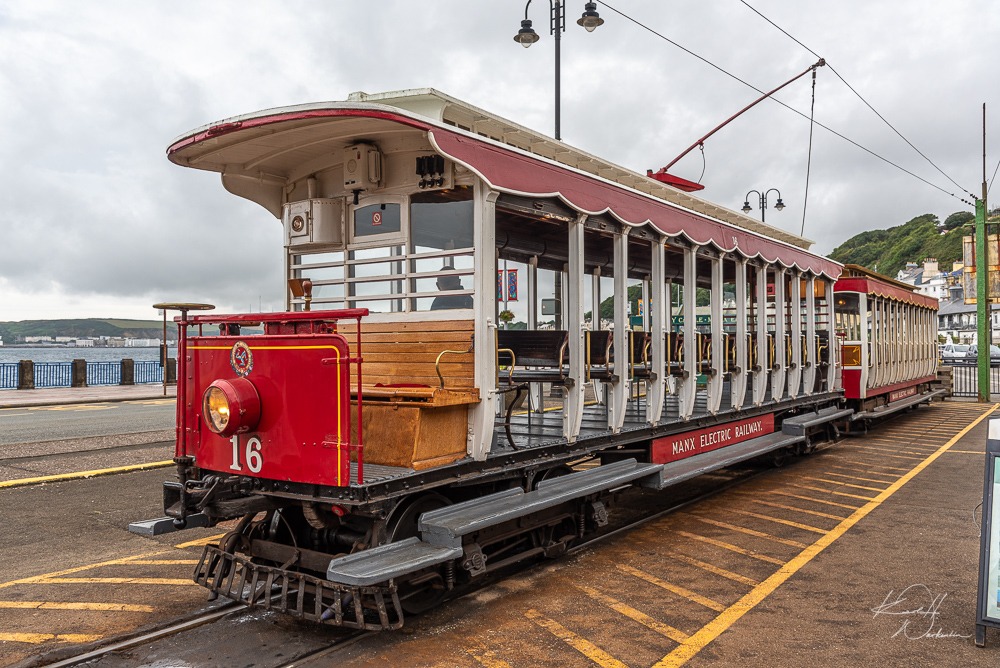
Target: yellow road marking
69, 571
856, 469
84, 474
735, 577
900, 469
151, 402
857, 477
166, 562
135, 581
72, 407
809, 498
770, 518
486, 657
53, 605
732, 548
843, 484
830, 491
200, 541
817, 513
669, 586
663, 629
883, 452
585, 647
39, 638
731, 615
969, 452
749, 532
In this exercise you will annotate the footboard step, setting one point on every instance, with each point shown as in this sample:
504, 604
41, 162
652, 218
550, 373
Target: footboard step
447, 526
381, 564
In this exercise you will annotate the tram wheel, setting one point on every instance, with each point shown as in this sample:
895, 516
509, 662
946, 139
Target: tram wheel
427, 592
779, 457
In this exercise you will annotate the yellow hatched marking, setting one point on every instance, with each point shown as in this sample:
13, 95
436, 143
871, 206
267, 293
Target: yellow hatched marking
900, 469
830, 491
722, 572
884, 452
486, 657
796, 509
968, 452
151, 402
69, 571
680, 591
166, 562
83, 474
857, 477
809, 498
200, 541
843, 484
769, 518
731, 548
697, 641
663, 629
135, 581
39, 638
855, 469
585, 647
749, 532
53, 605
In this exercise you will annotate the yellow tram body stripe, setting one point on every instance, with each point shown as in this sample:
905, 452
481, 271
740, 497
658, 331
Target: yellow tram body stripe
698, 640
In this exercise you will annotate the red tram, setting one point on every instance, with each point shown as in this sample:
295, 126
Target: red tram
388, 438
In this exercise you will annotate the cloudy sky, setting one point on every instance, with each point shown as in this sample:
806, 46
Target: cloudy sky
95, 222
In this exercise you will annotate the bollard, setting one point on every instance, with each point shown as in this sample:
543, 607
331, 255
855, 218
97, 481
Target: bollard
78, 376
26, 375
171, 371
128, 372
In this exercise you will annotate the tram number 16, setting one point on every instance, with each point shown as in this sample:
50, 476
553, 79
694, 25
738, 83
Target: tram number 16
252, 454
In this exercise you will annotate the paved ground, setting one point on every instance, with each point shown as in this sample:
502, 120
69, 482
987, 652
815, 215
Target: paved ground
81, 395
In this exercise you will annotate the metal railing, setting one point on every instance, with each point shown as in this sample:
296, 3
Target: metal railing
104, 373
9, 375
965, 378
53, 374
148, 372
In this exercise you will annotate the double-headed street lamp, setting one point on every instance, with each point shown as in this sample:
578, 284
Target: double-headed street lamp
526, 36
779, 205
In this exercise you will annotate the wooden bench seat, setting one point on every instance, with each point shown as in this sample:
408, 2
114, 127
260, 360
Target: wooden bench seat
417, 385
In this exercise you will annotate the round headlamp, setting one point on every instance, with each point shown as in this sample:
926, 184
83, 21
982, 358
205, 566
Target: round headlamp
231, 406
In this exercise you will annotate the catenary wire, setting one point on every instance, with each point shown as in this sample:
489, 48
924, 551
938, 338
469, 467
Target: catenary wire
990, 186
789, 107
859, 96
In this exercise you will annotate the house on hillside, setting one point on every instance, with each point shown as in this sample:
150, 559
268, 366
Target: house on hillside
927, 279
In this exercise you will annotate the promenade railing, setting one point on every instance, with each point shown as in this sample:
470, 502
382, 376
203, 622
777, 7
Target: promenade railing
38, 375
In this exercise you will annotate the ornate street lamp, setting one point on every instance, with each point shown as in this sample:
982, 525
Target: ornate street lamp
779, 205
526, 36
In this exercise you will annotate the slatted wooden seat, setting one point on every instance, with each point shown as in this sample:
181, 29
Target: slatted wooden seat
545, 351
417, 385
600, 364
641, 364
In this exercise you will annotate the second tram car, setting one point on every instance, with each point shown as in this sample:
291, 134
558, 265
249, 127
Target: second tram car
388, 438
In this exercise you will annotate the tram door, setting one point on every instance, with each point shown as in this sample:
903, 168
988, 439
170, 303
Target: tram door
853, 340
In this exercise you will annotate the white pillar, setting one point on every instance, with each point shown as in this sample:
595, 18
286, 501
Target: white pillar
483, 414
573, 285
657, 386
716, 377
618, 396
738, 376
689, 379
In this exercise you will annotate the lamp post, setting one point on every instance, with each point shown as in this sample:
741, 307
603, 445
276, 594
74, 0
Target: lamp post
526, 36
779, 205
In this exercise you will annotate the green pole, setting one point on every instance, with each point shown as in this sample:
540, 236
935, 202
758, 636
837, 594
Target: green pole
983, 338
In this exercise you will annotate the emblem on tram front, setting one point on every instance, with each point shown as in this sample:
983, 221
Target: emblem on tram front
241, 359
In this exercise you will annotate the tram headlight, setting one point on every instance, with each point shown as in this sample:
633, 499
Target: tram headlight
231, 406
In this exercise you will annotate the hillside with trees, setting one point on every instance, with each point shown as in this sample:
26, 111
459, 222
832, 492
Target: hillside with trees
12, 332
888, 251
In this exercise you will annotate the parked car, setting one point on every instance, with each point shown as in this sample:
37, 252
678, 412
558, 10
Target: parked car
953, 352
972, 354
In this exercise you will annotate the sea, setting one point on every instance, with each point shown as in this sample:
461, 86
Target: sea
70, 353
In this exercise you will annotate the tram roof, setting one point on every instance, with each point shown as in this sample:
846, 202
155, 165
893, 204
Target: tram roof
861, 279
251, 145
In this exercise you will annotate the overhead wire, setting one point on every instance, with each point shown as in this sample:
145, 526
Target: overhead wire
787, 106
988, 188
859, 95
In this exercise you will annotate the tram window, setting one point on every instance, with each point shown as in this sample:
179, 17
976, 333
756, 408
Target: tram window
847, 316
441, 222
376, 220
